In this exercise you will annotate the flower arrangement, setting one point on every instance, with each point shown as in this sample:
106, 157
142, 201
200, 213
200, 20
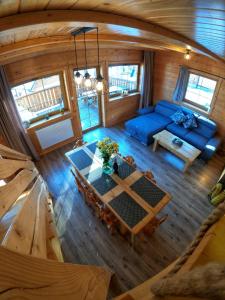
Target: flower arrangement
107, 147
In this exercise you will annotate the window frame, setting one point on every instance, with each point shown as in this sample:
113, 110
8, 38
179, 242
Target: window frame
118, 95
63, 90
195, 105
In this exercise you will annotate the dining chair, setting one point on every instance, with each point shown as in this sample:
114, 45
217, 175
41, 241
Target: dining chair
79, 142
149, 175
130, 160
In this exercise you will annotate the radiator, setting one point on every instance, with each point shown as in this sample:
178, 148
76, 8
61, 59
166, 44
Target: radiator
55, 133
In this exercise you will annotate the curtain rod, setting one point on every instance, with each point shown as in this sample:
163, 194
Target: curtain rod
202, 71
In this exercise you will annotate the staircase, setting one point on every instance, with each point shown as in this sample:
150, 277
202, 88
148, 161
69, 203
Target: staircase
31, 259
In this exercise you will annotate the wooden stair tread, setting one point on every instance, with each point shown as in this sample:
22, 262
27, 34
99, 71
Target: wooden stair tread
24, 276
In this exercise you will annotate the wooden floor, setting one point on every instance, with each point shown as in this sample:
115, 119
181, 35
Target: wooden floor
86, 240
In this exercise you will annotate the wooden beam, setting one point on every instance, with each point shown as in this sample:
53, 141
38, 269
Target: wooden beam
12, 52
41, 17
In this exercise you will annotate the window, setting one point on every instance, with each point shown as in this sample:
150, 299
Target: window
123, 79
200, 91
39, 98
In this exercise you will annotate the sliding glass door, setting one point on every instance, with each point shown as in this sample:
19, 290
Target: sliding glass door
89, 103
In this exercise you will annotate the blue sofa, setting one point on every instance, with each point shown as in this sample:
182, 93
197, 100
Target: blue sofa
157, 118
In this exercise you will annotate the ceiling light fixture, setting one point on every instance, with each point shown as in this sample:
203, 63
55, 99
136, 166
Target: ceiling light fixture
97, 84
187, 54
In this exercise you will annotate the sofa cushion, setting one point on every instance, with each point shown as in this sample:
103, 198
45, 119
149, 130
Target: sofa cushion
158, 118
164, 108
178, 117
178, 130
206, 127
196, 140
145, 110
190, 122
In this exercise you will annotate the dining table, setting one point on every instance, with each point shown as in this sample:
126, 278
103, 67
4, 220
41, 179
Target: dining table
132, 197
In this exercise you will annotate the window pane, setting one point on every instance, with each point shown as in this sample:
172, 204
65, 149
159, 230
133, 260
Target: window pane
200, 91
123, 78
38, 97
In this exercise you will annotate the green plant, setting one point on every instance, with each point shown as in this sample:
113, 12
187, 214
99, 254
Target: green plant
107, 147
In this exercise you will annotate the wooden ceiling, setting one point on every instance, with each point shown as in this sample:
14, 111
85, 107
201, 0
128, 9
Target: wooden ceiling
31, 27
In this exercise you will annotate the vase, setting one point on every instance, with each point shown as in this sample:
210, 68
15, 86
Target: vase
107, 168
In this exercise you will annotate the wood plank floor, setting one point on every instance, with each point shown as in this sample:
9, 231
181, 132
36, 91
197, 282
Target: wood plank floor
86, 240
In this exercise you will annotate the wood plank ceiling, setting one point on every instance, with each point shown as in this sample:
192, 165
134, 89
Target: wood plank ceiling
154, 24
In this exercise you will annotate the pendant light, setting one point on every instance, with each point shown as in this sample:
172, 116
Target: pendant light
87, 79
78, 77
187, 54
99, 79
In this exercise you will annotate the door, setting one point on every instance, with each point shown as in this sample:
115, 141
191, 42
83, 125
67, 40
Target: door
89, 102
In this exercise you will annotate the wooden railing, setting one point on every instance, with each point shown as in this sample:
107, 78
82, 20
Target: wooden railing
123, 83
31, 261
41, 100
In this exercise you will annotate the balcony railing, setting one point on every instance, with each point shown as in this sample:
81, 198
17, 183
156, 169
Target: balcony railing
123, 83
41, 100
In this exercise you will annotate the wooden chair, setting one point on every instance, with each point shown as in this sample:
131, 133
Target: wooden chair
149, 175
130, 160
78, 143
154, 224
107, 217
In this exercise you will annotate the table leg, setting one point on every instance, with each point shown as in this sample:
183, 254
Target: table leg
186, 166
132, 240
155, 145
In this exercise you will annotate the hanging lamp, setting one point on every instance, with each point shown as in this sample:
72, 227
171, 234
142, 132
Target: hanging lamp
99, 79
87, 79
78, 77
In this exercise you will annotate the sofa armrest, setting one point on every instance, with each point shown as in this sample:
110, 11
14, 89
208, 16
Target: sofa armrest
145, 110
211, 147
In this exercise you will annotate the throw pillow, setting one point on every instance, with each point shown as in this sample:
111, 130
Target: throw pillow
190, 122
178, 117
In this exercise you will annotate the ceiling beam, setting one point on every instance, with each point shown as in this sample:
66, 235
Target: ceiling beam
51, 16
16, 51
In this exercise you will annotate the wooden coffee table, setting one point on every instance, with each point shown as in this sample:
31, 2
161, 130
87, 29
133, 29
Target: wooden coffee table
186, 152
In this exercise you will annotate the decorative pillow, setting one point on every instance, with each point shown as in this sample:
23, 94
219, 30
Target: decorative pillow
178, 117
190, 122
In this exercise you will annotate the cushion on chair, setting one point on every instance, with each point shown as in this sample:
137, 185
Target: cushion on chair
196, 140
177, 130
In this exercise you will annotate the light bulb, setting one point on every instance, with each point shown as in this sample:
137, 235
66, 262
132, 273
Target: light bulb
187, 54
99, 86
87, 82
78, 78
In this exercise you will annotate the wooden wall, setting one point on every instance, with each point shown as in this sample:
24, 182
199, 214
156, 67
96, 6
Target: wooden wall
113, 112
166, 71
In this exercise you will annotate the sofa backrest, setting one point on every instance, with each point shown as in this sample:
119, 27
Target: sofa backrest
206, 127
166, 108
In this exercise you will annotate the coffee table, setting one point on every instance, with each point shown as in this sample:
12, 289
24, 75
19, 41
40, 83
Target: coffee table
186, 152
